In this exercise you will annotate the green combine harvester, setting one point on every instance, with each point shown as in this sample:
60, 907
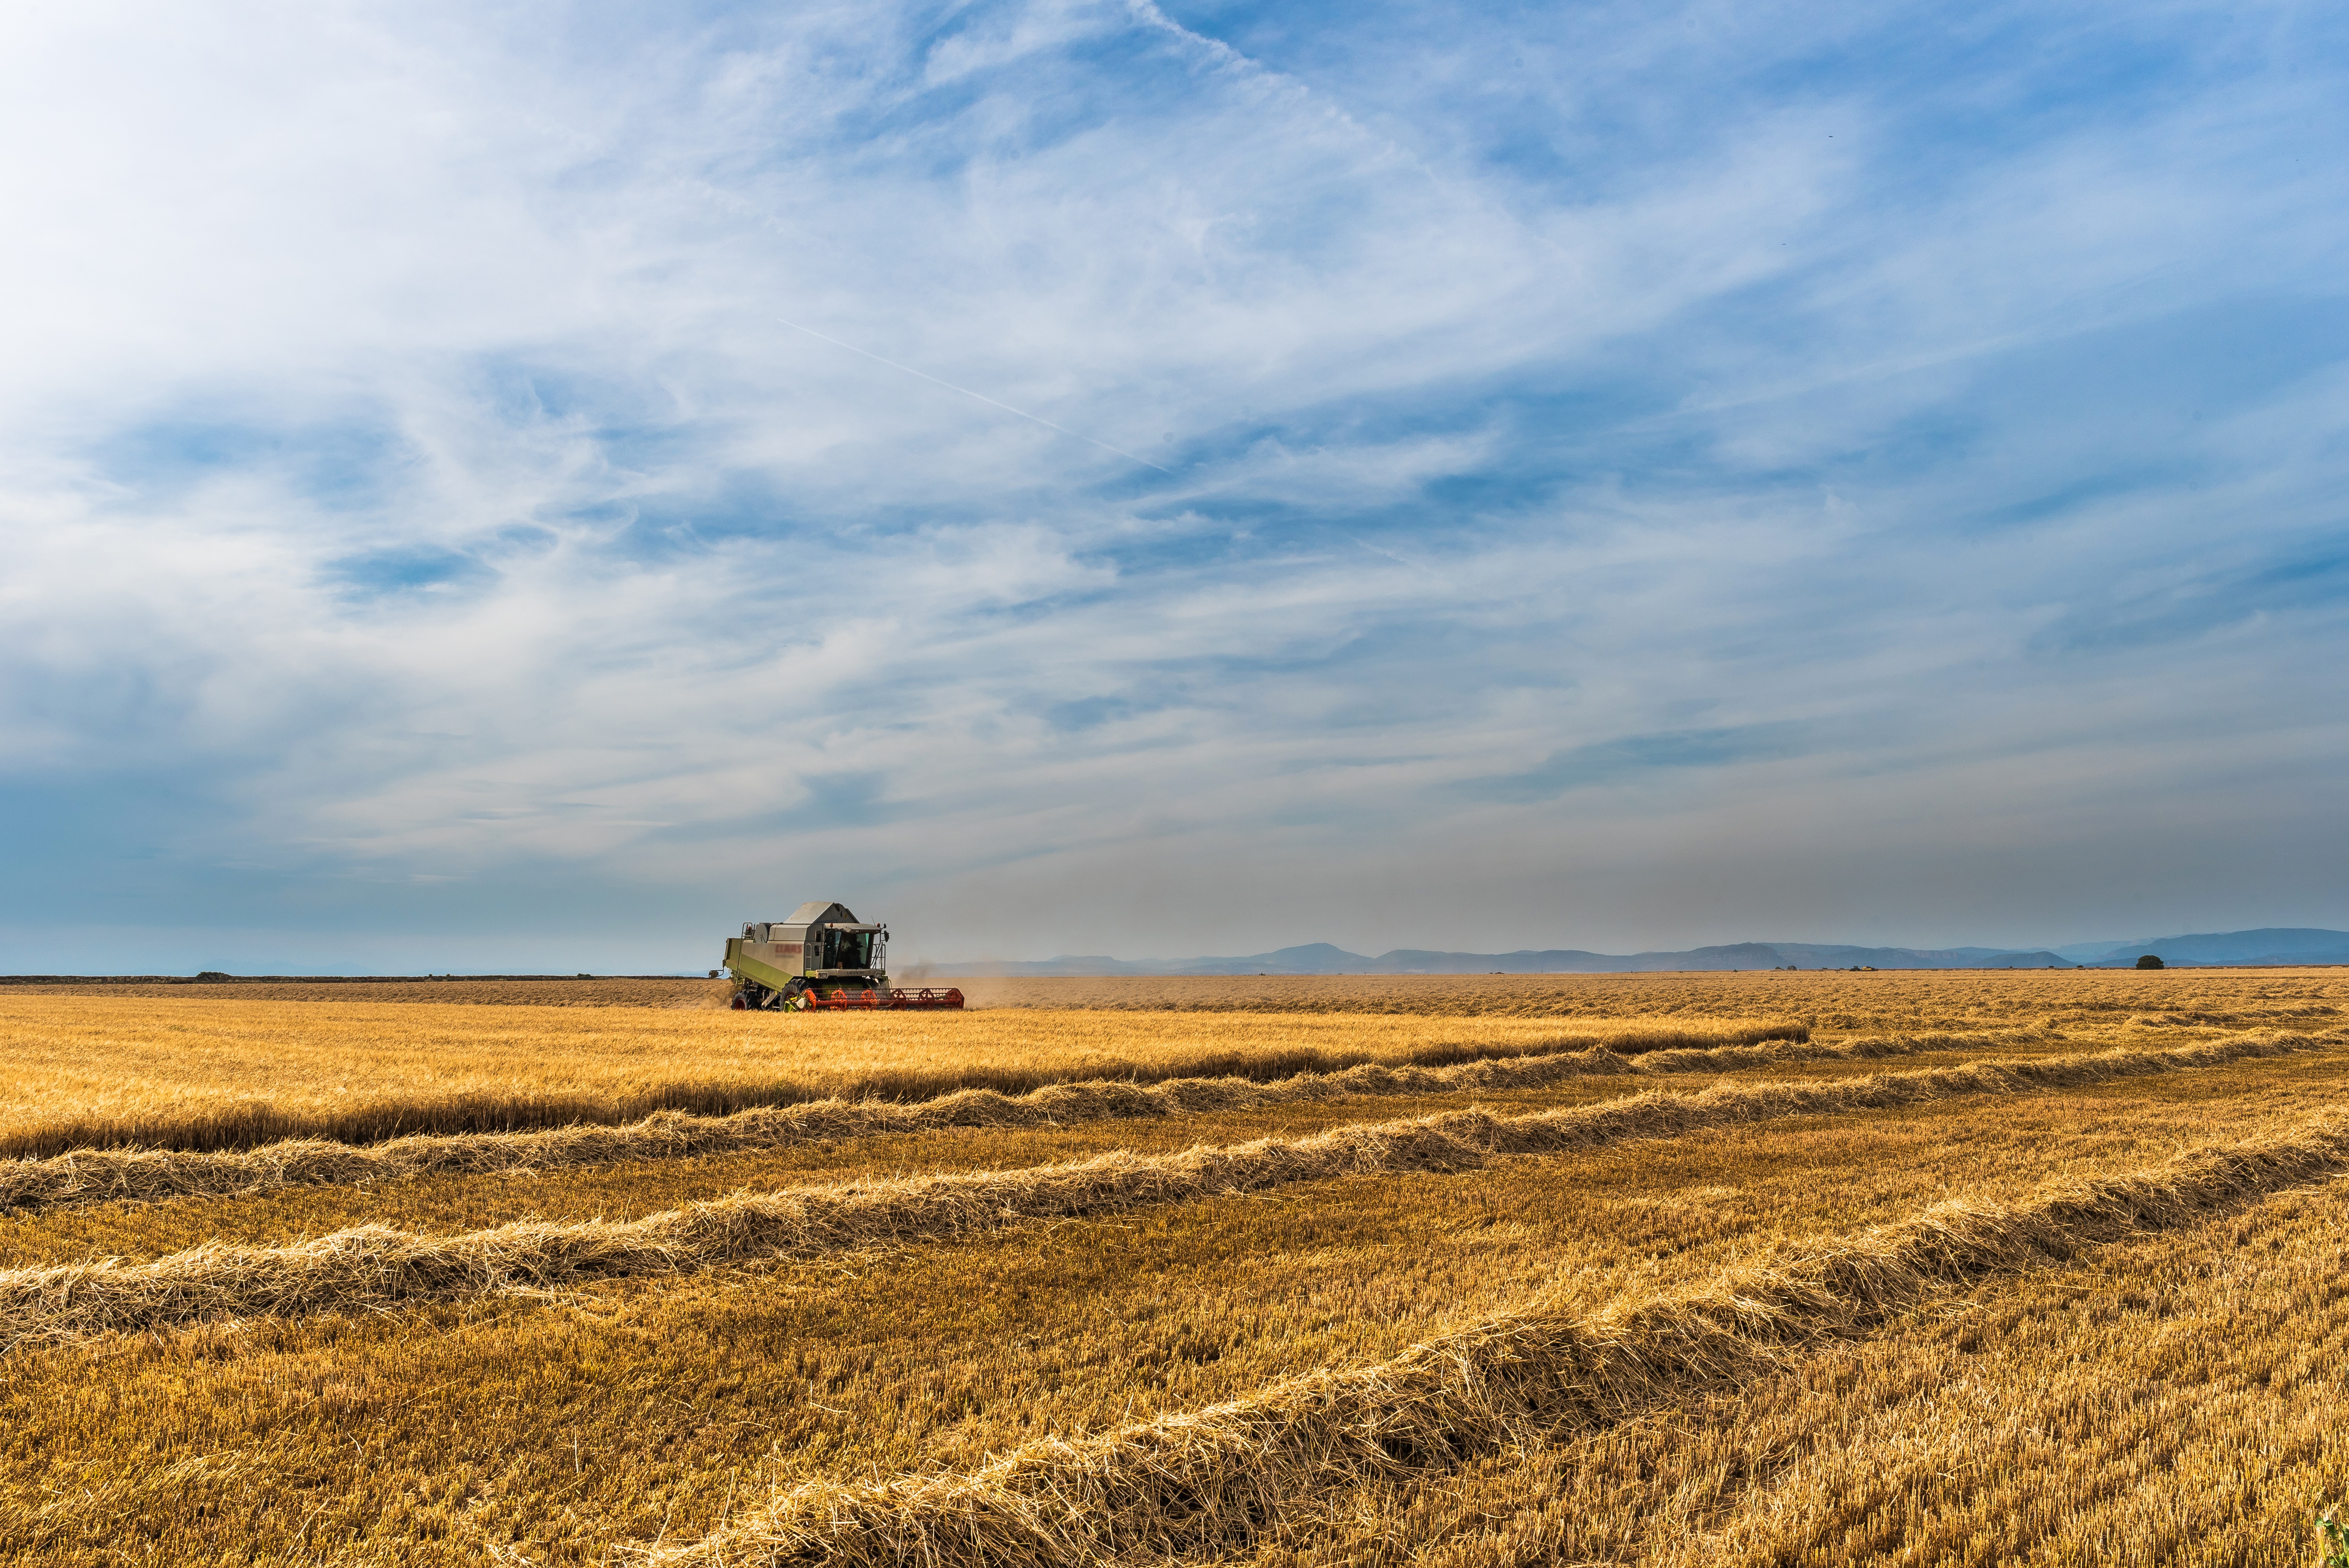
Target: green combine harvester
823, 956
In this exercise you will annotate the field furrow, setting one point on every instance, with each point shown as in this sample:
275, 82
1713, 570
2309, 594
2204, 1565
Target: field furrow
1699, 1297
2169, 1399
94, 1071
1186, 1484
147, 1175
373, 1267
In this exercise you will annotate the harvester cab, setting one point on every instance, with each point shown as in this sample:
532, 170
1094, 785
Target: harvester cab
822, 956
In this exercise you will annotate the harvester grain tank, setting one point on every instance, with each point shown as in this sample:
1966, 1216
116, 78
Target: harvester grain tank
822, 956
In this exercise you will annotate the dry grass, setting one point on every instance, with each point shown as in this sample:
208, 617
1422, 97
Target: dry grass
97, 1071
2167, 1403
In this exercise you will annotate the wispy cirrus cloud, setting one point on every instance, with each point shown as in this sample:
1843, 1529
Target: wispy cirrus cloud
1611, 478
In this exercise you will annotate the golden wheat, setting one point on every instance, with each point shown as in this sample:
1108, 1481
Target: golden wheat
86, 1069
575, 1429
89, 1071
637, 991
147, 1175
374, 1267
1891, 1001
2174, 1399
1836, 1000
1216, 1479
2167, 1401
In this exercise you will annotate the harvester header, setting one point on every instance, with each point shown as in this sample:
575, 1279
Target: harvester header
822, 956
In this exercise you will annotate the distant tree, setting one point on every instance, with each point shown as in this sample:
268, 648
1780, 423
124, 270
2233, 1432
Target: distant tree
2150, 961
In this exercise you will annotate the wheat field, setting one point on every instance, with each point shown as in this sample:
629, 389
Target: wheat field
81, 1070
1776, 1268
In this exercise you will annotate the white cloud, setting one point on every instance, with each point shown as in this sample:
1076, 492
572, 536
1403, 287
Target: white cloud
407, 450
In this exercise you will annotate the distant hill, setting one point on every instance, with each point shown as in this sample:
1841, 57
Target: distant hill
2269, 945
1321, 958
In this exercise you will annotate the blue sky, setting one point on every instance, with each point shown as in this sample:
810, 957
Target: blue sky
528, 487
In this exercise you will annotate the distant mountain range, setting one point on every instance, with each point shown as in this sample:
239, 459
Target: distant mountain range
2268, 946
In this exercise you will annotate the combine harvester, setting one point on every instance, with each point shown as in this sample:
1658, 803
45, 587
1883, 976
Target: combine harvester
823, 956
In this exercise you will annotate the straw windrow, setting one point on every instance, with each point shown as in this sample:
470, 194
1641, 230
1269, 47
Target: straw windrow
100, 1175
251, 1124
1190, 1485
375, 1267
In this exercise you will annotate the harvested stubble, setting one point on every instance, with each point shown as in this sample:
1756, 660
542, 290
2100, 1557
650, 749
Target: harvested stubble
2173, 1399
1220, 1478
1833, 999
146, 1175
573, 1432
489, 991
375, 1267
578, 1430
1889, 1002
79, 1072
